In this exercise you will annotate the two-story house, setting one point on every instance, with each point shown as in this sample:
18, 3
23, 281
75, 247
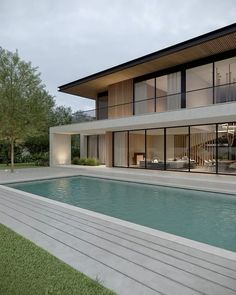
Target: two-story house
174, 109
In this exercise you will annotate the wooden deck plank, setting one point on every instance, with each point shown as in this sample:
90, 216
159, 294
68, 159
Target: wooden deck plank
125, 254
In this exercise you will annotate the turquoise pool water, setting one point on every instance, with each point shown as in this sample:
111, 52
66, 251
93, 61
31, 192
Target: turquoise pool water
201, 216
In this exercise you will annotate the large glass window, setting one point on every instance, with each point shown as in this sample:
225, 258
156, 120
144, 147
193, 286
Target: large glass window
144, 97
199, 83
227, 148
225, 80
168, 88
203, 148
121, 149
177, 148
102, 108
137, 149
155, 149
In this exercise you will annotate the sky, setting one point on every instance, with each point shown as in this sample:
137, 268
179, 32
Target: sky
70, 39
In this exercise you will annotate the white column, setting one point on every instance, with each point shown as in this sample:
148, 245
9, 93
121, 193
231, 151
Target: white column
60, 149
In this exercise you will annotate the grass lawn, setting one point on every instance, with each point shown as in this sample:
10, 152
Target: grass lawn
18, 166
26, 269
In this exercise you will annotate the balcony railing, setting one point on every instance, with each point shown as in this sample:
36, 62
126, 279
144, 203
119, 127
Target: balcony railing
190, 99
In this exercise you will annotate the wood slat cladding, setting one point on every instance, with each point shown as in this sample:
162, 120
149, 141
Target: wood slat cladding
120, 93
157, 62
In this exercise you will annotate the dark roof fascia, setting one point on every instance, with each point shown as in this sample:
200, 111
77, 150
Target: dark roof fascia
157, 54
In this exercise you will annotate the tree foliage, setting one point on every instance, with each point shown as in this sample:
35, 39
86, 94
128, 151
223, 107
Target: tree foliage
25, 105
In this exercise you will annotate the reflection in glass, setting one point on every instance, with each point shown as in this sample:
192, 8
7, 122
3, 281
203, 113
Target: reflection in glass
155, 149
203, 148
168, 88
144, 96
137, 149
198, 78
177, 151
121, 149
227, 148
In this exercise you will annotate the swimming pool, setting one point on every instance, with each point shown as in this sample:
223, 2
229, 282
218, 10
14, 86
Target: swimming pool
202, 216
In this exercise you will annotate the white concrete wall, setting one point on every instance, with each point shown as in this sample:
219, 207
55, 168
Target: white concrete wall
60, 149
201, 115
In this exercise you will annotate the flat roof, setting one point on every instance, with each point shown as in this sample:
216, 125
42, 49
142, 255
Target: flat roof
212, 43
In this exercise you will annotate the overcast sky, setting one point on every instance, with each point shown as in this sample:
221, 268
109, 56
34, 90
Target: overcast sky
70, 39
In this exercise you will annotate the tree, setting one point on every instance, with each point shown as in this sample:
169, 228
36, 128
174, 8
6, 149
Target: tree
25, 105
81, 116
61, 116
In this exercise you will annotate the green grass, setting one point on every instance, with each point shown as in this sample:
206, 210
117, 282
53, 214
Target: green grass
18, 166
26, 269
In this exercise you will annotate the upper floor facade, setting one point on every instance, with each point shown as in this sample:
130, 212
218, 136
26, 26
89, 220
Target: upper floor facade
196, 73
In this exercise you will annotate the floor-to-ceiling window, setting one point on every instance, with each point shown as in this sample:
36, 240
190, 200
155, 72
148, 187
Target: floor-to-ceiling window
137, 149
168, 92
203, 148
227, 148
155, 149
121, 149
225, 80
209, 148
144, 97
199, 83
177, 151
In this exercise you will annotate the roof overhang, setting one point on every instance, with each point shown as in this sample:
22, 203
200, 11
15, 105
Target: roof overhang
213, 43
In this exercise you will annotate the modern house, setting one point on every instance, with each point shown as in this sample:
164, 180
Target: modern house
174, 109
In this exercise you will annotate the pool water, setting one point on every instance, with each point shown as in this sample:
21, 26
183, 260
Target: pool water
202, 216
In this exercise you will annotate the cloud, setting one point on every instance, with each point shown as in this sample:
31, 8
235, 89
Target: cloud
71, 39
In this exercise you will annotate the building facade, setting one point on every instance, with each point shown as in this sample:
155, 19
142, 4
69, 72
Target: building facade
174, 109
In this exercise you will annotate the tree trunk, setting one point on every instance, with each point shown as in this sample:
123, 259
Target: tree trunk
12, 155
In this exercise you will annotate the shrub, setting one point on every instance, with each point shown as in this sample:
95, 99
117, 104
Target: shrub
85, 161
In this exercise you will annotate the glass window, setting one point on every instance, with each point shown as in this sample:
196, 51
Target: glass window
203, 148
144, 96
102, 108
199, 83
155, 149
225, 80
137, 149
227, 148
121, 149
177, 150
168, 88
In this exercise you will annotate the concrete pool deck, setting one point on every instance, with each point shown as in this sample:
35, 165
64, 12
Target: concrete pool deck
125, 257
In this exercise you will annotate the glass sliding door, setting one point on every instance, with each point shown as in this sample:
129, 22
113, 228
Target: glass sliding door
155, 149
168, 89
137, 149
199, 83
203, 148
144, 97
227, 148
177, 148
225, 80
121, 149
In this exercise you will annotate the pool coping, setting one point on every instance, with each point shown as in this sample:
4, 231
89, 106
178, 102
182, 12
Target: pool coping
227, 254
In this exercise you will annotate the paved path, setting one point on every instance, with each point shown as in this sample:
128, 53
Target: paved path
207, 182
125, 259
